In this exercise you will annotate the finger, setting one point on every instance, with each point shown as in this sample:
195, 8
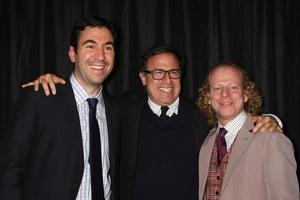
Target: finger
36, 85
52, 88
279, 129
62, 81
272, 123
272, 126
27, 84
259, 126
57, 79
255, 119
46, 88
50, 81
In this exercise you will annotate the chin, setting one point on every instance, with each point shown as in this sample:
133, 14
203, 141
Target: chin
226, 115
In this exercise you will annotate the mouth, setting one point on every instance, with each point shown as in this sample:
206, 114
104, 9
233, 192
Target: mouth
166, 90
226, 104
97, 66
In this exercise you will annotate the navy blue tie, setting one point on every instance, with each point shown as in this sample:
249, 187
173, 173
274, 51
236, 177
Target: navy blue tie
95, 152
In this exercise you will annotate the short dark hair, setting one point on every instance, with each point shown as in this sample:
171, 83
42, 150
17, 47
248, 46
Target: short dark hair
159, 49
93, 21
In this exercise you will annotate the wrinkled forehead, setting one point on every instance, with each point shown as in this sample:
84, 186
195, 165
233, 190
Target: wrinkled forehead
225, 73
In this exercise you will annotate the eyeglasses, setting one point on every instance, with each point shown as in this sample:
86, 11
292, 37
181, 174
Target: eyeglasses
231, 88
159, 74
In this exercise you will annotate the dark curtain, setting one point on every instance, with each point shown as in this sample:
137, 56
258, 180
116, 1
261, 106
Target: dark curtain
263, 35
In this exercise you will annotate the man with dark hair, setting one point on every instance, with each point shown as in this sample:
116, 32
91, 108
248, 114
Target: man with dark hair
235, 163
66, 146
161, 132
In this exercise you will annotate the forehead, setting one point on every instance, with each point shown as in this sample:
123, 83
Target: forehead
226, 74
100, 34
163, 61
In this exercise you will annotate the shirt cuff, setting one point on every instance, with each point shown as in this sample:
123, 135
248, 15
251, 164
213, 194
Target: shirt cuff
277, 119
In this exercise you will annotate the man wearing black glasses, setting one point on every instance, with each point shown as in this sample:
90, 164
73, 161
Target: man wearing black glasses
161, 132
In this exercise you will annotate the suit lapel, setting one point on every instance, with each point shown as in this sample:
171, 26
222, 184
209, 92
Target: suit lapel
72, 119
111, 129
241, 143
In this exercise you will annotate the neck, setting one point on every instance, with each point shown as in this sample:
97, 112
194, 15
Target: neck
94, 90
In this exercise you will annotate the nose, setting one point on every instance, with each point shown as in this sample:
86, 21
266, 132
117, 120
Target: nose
225, 92
100, 53
167, 78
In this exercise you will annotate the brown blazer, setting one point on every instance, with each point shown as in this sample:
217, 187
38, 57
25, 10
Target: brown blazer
261, 166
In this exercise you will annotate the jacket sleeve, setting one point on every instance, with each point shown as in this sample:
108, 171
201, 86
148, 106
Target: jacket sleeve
16, 145
280, 169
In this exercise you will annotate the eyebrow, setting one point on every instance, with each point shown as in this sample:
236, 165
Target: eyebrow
94, 42
110, 43
89, 41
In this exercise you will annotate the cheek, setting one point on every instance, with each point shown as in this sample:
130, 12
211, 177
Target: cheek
212, 99
214, 105
239, 102
112, 58
178, 87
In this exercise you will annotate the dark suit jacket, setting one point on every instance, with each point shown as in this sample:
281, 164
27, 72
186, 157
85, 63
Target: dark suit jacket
43, 155
132, 107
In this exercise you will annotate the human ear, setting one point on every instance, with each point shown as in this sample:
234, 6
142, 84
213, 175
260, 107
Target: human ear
72, 54
143, 78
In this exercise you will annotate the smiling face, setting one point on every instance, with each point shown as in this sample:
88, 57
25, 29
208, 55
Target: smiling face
94, 57
226, 93
162, 92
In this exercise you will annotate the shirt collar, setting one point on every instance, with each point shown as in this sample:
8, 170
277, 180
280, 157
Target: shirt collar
235, 125
173, 108
81, 95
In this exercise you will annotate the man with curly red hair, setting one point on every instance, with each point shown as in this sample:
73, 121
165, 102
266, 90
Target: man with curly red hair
236, 163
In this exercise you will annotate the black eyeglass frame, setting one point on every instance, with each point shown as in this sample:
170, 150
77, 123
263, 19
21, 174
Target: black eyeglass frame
152, 72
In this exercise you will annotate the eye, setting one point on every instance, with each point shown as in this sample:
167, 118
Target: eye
216, 88
90, 46
175, 72
233, 88
157, 72
109, 48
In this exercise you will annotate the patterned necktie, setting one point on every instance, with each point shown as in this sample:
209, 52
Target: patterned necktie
95, 152
164, 110
221, 144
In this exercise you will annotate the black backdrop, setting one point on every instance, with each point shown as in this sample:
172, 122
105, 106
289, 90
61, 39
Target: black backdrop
261, 34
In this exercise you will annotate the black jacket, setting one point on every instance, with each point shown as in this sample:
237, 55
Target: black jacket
42, 155
132, 107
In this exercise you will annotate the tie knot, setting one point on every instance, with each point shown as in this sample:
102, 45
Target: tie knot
164, 110
222, 132
92, 103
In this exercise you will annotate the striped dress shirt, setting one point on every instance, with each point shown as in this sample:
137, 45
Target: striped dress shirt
81, 95
233, 127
